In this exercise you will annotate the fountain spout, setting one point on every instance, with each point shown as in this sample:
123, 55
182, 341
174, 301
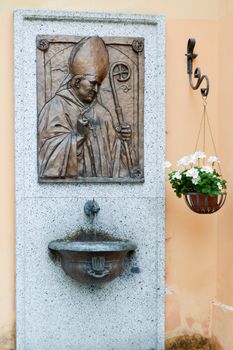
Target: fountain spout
91, 208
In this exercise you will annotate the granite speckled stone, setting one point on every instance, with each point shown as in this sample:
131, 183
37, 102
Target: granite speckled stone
54, 311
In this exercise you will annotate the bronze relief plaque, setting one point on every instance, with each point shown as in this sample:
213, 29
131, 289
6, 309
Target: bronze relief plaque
90, 97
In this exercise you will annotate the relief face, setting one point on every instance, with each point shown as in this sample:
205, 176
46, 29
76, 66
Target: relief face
90, 94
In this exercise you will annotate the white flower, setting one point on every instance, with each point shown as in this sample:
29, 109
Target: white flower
199, 155
192, 159
207, 169
185, 161
177, 176
219, 185
196, 180
192, 173
213, 159
167, 164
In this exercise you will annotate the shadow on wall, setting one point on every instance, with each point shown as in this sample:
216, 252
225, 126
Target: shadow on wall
192, 342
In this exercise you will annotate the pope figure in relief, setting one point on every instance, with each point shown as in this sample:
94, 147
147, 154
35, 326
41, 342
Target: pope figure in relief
76, 134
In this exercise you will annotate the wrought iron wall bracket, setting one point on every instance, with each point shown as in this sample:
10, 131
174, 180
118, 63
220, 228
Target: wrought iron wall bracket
197, 73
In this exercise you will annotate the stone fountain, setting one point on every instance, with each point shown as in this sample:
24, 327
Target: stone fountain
91, 256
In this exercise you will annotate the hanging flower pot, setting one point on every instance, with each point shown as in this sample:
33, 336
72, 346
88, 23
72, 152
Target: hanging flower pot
200, 184
203, 203
196, 179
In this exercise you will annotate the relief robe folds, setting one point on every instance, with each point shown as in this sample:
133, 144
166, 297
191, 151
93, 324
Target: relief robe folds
68, 148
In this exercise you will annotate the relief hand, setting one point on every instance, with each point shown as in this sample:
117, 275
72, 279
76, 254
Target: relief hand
82, 129
124, 131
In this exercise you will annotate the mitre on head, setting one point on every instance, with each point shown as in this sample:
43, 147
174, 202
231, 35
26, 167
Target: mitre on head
90, 57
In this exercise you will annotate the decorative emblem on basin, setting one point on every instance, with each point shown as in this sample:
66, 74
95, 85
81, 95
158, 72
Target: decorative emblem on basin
92, 257
98, 267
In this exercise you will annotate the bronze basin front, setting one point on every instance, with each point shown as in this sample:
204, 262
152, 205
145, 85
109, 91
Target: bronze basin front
92, 262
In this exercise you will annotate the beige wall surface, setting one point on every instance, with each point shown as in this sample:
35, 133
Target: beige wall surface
223, 309
192, 240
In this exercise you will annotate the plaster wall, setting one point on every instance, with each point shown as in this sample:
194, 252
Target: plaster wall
191, 240
223, 305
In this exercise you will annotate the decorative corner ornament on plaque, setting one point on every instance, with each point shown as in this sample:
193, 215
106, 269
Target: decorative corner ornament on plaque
138, 45
43, 44
90, 96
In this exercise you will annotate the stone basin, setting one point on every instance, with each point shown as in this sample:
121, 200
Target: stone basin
93, 262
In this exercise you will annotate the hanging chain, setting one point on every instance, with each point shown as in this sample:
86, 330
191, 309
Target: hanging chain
205, 120
200, 128
212, 139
